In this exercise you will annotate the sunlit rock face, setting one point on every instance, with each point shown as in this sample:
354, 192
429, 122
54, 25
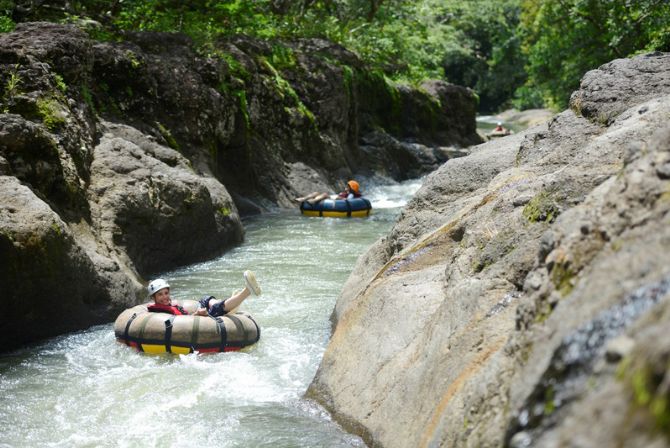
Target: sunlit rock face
521, 297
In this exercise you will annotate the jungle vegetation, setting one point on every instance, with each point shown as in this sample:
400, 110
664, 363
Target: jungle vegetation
521, 53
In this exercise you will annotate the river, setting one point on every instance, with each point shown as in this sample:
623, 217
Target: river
86, 390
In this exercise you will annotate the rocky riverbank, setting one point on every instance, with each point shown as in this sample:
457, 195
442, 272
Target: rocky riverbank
523, 297
122, 159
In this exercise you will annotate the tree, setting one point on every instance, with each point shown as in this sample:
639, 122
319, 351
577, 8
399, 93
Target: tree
565, 38
486, 52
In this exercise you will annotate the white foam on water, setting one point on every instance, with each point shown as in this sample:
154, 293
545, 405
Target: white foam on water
87, 390
393, 196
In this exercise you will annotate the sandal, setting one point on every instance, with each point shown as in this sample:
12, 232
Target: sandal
252, 283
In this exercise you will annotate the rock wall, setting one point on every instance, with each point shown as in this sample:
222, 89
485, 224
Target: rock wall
119, 160
523, 297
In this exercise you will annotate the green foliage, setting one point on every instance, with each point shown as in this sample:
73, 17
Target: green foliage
485, 52
528, 97
525, 53
51, 112
282, 57
60, 83
285, 90
244, 107
132, 57
11, 88
167, 135
6, 22
564, 39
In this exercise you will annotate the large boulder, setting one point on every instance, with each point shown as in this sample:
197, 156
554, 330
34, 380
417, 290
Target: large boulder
147, 201
49, 283
516, 301
89, 208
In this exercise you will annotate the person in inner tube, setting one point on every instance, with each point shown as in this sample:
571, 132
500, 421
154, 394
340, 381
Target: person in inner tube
159, 291
351, 190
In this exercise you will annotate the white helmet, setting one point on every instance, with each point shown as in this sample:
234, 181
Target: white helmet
157, 285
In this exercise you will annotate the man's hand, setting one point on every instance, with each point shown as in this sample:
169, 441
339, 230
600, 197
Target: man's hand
200, 312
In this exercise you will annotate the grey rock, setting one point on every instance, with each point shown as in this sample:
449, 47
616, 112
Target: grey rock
618, 348
621, 85
146, 199
446, 371
45, 273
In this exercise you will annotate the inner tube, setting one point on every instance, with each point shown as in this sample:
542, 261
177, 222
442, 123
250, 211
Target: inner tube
152, 332
338, 208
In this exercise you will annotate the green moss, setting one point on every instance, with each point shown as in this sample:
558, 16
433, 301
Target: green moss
305, 112
543, 312
244, 108
549, 404
476, 97
213, 152
380, 95
234, 66
56, 228
348, 75
649, 396
664, 197
60, 83
434, 109
167, 135
482, 264
223, 88
286, 91
562, 277
283, 57
541, 208
638, 382
107, 104
132, 57
225, 211
51, 112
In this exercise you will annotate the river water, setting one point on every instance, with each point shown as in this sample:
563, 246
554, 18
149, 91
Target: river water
86, 390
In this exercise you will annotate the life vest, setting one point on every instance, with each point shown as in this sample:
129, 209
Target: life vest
172, 309
344, 195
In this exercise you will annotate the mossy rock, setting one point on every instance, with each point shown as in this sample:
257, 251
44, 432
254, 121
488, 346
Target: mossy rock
542, 208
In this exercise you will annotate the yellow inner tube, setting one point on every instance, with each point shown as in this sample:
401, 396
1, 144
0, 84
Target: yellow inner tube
166, 333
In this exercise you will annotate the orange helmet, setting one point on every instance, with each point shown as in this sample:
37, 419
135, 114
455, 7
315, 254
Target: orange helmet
354, 186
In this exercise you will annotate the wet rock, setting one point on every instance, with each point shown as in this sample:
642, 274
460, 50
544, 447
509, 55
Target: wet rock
147, 200
44, 268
